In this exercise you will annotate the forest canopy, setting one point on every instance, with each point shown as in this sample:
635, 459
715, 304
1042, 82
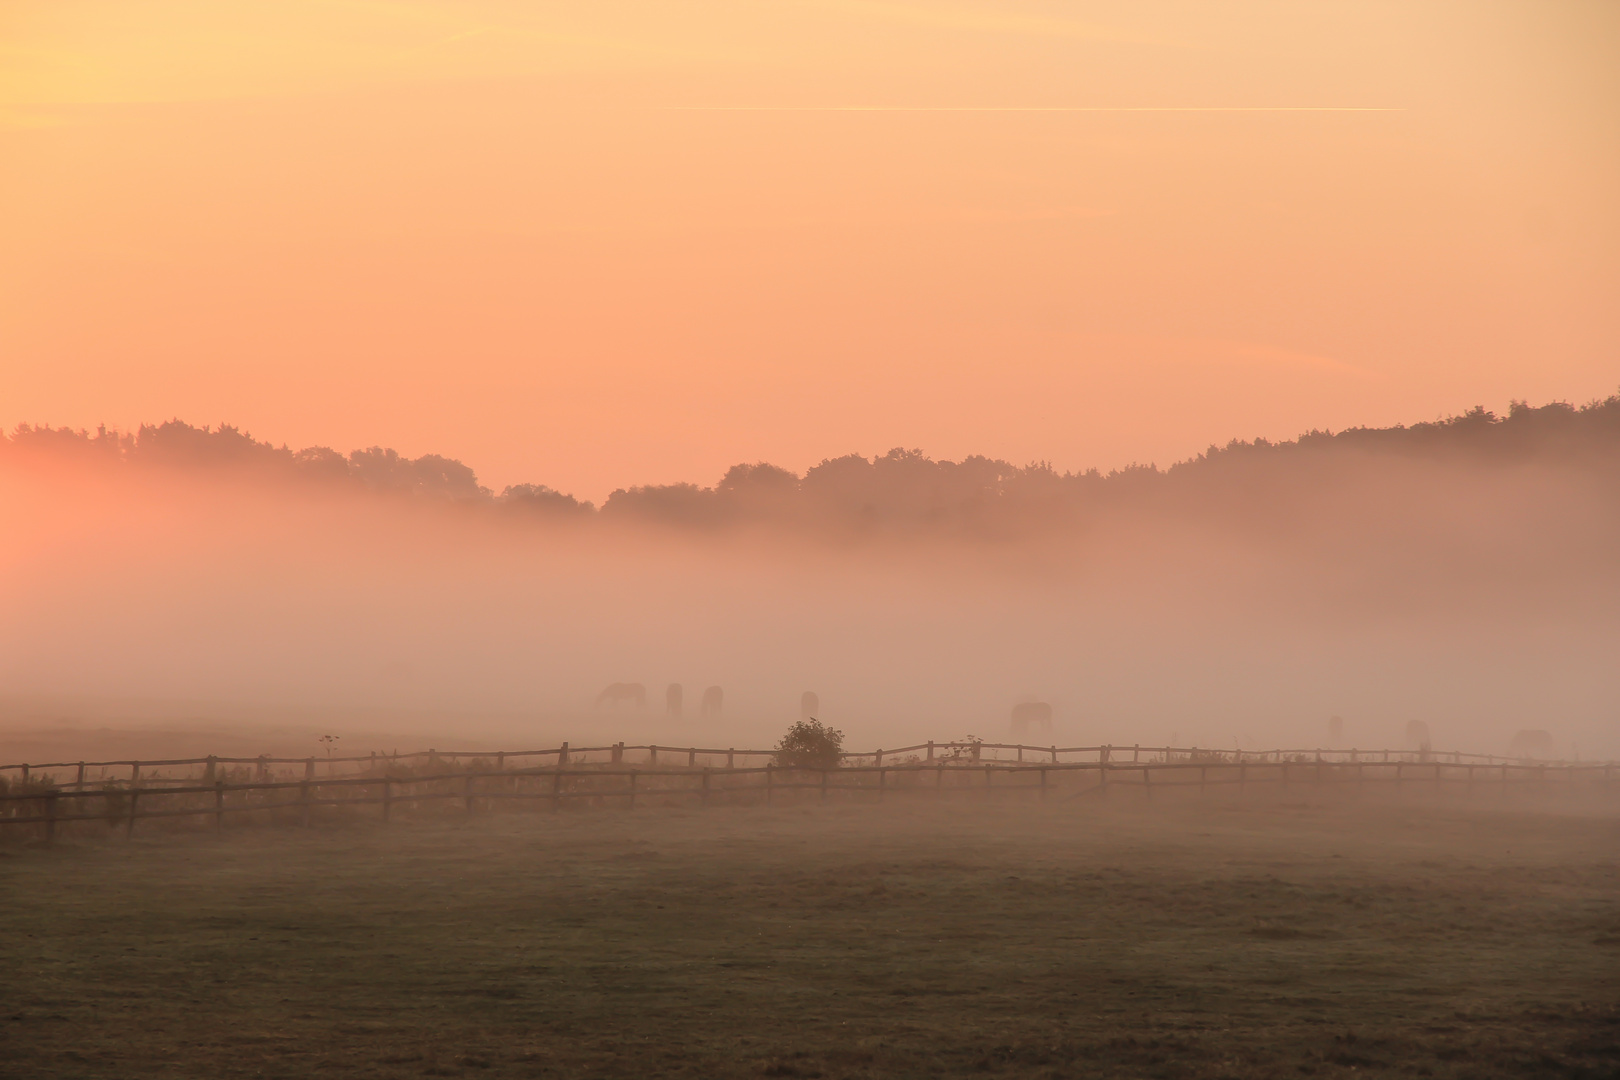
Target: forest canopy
901, 490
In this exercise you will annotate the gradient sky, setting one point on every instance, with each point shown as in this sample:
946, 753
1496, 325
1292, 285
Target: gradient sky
601, 243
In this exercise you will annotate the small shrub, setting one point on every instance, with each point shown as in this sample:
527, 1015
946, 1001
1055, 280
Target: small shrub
810, 744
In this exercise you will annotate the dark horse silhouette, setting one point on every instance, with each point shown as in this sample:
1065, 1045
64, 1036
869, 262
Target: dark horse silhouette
713, 697
1031, 714
623, 691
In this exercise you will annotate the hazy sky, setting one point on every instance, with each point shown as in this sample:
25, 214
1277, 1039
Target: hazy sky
612, 242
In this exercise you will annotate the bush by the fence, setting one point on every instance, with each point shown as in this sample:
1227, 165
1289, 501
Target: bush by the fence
810, 744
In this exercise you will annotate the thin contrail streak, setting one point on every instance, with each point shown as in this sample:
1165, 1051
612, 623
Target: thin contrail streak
1033, 108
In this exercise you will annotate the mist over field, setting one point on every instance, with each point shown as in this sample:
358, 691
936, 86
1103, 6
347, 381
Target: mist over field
1464, 573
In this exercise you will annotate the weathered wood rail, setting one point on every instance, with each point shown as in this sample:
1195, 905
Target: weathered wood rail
120, 804
149, 772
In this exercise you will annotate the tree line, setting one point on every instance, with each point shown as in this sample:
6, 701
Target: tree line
902, 489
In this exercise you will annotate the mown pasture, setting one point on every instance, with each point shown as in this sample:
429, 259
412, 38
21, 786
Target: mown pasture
1205, 937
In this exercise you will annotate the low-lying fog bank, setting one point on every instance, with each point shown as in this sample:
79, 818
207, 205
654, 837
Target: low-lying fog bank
1465, 574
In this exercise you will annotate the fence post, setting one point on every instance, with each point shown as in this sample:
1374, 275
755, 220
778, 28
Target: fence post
25, 773
1136, 752
388, 799
134, 773
500, 761
562, 755
219, 804
80, 781
50, 817
134, 799
616, 754
309, 769
878, 759
930, 749
691, 758
1054, 753
730, 754
210, 769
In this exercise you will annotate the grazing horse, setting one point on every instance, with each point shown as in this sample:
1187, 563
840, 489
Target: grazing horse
712, 699
1533, 744
1031, 714
672, 700
623, 691
809, 705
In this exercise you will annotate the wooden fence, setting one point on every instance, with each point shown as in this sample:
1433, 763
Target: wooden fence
265, 767
414, 783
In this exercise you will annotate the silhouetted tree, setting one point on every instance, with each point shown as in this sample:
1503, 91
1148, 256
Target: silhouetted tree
538, 497
904, 491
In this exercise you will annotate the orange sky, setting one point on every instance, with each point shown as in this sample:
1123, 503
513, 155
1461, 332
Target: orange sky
601, 243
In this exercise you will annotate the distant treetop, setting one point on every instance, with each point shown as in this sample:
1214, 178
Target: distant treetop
901, 490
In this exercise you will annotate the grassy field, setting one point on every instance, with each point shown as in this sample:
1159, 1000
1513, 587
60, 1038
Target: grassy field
1205, 940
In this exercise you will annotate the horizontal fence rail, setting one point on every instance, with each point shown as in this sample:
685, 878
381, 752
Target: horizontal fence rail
436, 779
264, 766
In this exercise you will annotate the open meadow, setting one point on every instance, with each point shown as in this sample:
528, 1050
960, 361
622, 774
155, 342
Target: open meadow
1204, 937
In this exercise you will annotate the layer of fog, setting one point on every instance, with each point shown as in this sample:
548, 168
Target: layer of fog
1479, 601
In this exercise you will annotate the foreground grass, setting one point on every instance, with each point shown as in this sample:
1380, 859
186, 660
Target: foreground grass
1202, 941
